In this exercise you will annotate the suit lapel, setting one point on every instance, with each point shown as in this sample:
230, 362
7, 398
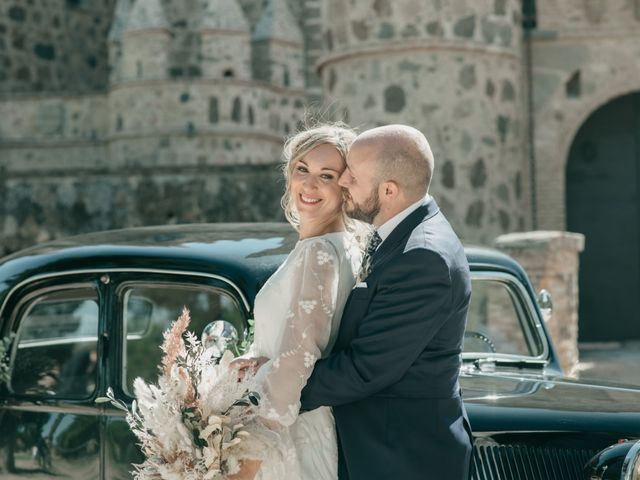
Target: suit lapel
355, 310
422, 213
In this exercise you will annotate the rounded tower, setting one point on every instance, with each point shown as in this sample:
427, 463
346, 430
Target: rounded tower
225, 45
452, 69
145, 42
278, 47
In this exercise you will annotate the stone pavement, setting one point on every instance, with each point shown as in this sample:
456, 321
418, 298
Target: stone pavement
616, 362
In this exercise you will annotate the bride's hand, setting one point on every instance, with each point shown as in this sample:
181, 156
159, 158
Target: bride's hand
247, 365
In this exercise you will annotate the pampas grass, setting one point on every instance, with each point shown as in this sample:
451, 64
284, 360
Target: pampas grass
191, 424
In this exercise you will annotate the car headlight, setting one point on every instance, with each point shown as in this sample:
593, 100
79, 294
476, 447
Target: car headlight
631, 464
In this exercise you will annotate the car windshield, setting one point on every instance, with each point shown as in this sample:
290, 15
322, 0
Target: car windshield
500, 321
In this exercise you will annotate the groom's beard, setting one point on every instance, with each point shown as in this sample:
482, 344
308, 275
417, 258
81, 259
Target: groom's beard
367, 211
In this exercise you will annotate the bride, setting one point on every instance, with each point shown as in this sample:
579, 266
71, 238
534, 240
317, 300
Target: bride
297, 312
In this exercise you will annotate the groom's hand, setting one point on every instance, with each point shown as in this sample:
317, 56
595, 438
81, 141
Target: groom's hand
247, 365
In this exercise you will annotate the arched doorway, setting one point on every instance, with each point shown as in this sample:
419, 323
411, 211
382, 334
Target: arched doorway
603, 203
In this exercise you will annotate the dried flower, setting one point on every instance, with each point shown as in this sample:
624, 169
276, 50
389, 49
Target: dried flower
191, 425
173, 344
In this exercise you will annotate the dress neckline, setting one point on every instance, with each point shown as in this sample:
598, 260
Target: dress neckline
342, 232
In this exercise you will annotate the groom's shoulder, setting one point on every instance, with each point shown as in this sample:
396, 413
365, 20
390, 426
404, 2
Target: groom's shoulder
436, 237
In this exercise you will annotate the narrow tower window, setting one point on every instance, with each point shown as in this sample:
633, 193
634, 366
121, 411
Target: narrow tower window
285, 76
236, 113
213, 110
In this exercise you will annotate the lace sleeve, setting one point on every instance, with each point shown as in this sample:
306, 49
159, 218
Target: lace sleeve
314, 289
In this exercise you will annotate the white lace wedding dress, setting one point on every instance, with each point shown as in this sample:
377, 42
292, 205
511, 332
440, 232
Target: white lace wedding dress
297, 315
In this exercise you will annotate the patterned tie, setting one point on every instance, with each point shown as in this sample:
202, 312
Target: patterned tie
372, 246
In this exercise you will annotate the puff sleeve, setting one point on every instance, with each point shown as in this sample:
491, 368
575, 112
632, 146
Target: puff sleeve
312, 304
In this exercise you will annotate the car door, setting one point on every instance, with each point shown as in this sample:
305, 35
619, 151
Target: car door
49, 424
144, 306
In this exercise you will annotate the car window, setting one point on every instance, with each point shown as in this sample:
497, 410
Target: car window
147, 311
57, 344
497, 321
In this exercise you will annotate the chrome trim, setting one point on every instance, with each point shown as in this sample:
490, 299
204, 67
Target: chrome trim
492, 357
56, 341
529, 309
494, 461
551, 381
66, 341
633, 457
126, 270
490, 433
76, 406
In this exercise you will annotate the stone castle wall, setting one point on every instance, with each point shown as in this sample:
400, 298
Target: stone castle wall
182, 152
82, 96
453, 70
62, 45
39, 209
226, 107
177, 129
54, 45
227, 59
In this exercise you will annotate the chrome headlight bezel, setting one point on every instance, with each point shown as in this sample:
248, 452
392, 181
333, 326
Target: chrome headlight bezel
631, 464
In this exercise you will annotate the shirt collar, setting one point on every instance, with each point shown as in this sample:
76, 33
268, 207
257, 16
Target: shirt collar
387, 227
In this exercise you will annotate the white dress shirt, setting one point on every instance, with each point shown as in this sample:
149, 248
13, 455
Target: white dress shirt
389, 226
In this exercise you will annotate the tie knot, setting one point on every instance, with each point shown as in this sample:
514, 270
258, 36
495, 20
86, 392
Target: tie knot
374, 241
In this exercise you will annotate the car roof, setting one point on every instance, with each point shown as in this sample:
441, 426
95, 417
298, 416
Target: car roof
248, 253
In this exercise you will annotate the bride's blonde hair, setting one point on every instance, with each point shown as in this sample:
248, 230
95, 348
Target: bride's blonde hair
296, 147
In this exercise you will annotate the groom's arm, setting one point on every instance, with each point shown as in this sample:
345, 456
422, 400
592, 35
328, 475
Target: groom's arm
412, 302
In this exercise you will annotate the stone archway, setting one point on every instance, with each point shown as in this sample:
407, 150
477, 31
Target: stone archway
576, 117
556, 129
603, 203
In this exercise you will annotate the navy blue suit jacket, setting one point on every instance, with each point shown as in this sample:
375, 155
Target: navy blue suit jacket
392, 377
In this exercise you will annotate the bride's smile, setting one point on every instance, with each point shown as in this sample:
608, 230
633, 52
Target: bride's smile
309, 200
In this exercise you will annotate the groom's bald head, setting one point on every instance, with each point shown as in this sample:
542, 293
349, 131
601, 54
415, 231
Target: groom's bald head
402, 154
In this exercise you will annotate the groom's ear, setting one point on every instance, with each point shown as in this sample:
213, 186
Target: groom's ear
390, 190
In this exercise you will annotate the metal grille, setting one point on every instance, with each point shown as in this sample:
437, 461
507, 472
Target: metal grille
521, 462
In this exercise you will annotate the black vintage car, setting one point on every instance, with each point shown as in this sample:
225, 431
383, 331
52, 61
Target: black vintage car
87, 313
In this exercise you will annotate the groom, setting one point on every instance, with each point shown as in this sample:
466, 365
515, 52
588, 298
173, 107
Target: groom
392, 377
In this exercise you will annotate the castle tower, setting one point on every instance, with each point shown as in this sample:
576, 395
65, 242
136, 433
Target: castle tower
455, 71
145, 42
225, 40
278, 47
114, 39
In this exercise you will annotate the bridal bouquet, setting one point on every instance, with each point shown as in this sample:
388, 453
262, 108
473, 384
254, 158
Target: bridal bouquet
191, 425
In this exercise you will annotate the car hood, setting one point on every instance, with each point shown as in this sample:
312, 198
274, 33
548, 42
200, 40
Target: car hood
518, 400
